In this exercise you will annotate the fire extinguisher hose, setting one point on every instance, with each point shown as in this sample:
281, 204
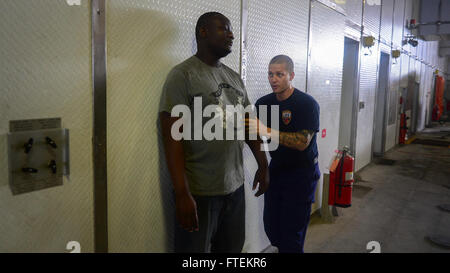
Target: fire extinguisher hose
341, 183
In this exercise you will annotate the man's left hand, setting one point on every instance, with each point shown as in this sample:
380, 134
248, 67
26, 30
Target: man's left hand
261, 178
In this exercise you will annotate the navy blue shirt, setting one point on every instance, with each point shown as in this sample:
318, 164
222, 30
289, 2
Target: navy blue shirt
298, 112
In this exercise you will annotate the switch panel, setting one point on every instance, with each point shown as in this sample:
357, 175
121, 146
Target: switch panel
38, 159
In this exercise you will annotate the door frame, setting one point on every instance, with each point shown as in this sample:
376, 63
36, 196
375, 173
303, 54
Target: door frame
383, 54
355, 98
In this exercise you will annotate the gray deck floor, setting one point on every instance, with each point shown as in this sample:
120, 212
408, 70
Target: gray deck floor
395, 205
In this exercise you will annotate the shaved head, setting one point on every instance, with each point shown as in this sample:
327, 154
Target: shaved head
214, 34
283, 59
204, 20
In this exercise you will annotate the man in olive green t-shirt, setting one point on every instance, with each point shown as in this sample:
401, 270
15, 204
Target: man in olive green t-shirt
208, 175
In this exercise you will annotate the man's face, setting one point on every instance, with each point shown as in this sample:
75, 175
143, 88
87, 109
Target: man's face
220, 36
279, 78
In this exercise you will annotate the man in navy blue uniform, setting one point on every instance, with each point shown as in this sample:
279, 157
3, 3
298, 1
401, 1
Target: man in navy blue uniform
294, 169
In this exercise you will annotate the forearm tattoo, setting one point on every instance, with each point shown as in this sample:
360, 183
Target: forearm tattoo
297, 140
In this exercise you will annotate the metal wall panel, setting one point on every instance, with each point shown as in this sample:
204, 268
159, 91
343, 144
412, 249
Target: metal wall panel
426, 89
424, 52
404, 71
325, 79
433, 46
420, 50
272, 33
411, 80
353, 10
395, 75
371, 18
412, 67
407, 17
367, 86
415, 96
45, 72
393, 104
398, 23
422, 99
436, 56
442, 63
387, 9
269, 34
429, 88
418, 66
429, 52
431, 55
145, 40
367, 89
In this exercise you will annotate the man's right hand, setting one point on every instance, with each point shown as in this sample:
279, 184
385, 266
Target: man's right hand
186, 208
186, 211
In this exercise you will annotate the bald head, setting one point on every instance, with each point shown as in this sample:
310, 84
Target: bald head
214, 35
204, 21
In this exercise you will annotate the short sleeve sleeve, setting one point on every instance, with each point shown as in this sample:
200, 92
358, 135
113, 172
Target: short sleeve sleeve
265, 119
246, 99
174, 91
257, 103
312, 118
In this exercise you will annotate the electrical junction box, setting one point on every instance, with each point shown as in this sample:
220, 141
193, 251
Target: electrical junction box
38, 154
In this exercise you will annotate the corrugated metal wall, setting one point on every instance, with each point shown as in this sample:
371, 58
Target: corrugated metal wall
367, 88
397, 34
45, 72
387, 10
353, 10
396, 74
422, 99
269, 34
145, 40
325, 79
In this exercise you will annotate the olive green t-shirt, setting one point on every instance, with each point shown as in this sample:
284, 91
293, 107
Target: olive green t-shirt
213, 167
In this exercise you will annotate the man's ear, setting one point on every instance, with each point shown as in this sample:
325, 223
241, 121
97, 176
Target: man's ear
291, 76
202, 32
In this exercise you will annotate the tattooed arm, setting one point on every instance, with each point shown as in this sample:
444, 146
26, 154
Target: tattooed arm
295, 140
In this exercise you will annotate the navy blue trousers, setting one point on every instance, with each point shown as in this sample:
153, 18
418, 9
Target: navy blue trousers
287, 208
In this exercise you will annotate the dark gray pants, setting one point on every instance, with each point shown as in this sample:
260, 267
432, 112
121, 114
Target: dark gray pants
221, 225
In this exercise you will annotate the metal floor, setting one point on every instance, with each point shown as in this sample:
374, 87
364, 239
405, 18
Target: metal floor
396, 205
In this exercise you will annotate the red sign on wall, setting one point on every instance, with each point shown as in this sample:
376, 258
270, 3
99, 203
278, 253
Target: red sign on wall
324, 133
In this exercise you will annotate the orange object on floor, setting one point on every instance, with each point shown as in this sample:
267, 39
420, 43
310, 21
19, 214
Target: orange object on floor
438, 107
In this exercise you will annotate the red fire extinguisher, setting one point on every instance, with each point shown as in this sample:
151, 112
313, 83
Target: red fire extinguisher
341, 180
403, 129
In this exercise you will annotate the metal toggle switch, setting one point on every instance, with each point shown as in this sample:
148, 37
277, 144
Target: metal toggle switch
28, 145
50, 142
29, 170
52, 166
